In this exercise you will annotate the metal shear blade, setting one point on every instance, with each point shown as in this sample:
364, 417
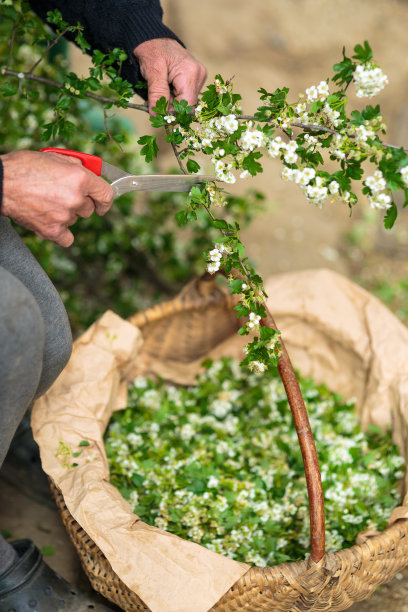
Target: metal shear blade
122, 182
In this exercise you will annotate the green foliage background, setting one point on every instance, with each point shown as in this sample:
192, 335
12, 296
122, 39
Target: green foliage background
136, 254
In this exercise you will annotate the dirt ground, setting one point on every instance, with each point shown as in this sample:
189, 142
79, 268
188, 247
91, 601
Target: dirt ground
290, 43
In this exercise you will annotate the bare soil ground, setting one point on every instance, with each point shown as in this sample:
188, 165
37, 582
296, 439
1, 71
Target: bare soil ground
290, 43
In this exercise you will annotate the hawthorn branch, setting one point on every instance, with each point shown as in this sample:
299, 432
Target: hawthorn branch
177, 154
312, 127
109, 133
102, 99
12, 40
50, 45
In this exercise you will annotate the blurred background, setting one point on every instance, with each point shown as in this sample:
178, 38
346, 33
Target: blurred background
132, 258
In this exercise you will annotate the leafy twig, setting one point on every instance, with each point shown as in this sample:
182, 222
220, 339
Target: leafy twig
177, 154
12, 40
109, 133
102, 99
144, 108
50, 45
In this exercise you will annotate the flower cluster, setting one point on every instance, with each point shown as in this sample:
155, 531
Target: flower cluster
237, 145
219, 464
379, 197
216, 256
369, 80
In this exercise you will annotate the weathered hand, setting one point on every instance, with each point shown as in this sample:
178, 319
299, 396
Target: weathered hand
47, 192
164, 62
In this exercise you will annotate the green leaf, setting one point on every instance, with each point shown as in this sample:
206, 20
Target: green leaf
64, 102
182, 218
363, 53
193, 166
93, 83
161, 106
158, 121
220, 224
354, 170
344, 69
182, 106
84, 443
240, 249
8, 89
249, 163
390, 216
196, 195
48, 551
267, 333
276, 103
242, 310
149, 148
236, 285
316, 106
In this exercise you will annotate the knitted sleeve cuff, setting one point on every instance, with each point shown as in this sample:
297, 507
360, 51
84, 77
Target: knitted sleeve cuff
143, 24
1, 183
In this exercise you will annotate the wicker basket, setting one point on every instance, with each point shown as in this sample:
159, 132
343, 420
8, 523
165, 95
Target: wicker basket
200, 318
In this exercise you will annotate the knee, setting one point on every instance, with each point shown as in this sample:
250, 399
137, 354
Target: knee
22, 338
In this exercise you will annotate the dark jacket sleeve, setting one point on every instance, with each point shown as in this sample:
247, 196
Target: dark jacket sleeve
108, 24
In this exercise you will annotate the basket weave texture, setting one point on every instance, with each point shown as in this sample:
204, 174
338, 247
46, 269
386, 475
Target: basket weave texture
182, 332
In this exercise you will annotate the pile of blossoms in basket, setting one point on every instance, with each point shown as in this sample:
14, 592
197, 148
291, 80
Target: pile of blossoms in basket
219, 464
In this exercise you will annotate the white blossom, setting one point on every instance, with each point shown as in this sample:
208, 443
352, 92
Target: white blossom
404, 174
369, 80
257, 366
251, 139
312, 93
323, 90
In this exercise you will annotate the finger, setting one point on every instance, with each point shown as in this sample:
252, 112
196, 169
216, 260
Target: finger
188, 83
99, 191
101, 208
65, 239
157, 86
87, 208
65, 159
60, 235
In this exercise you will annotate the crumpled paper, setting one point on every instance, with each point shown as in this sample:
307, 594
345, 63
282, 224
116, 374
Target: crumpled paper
334, 331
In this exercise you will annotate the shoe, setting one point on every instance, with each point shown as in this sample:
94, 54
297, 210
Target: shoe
30, 585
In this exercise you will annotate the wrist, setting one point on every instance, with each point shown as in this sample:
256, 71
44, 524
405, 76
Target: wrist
9, 163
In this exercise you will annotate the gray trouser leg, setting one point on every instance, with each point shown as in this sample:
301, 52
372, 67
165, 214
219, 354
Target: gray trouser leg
22, 338
18, 260
35, 337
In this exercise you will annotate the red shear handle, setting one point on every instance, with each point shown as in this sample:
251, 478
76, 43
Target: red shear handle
90, 162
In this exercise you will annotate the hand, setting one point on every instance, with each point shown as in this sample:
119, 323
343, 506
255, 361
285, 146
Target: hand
47, 192
163, 61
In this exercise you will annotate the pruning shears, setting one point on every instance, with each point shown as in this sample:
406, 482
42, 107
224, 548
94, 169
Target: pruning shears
123, 182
